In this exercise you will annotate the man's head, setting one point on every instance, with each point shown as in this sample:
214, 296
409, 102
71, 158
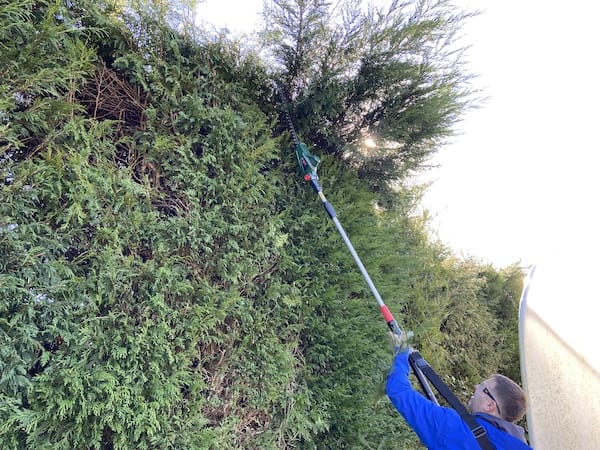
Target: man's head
499, 396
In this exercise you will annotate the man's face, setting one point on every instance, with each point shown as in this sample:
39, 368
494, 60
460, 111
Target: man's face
483, 398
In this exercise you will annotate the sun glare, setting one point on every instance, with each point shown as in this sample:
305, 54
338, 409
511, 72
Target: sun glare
370, 143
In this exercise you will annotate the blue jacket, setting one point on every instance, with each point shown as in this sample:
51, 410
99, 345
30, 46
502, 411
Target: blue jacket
439, 427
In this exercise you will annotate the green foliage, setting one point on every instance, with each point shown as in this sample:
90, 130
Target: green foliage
501, 295
44, 61
166, 281
133, 234
394, 75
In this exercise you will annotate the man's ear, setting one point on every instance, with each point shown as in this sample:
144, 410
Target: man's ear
489, 406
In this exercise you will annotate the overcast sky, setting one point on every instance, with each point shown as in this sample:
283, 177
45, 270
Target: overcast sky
521, 180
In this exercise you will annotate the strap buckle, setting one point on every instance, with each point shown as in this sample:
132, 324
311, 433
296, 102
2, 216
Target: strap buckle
479, 432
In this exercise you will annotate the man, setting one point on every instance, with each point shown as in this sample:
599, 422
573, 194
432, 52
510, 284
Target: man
496, 404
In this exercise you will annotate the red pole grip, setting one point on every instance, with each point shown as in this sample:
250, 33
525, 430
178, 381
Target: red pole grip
387, 314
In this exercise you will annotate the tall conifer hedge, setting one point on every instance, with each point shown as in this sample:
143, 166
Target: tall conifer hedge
166, 281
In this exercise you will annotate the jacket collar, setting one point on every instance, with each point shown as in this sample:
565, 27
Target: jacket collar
504, 425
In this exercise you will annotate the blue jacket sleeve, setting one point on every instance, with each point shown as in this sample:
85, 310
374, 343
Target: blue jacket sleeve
430, 421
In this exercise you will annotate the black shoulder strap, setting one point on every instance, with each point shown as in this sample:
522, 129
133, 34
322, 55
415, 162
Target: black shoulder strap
422, 367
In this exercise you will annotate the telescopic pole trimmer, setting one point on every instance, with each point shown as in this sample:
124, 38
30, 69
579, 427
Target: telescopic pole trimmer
308, 167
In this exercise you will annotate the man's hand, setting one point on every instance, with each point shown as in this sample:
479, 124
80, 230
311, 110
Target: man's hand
400, 341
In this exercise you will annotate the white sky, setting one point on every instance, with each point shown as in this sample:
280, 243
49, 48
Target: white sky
521, 180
